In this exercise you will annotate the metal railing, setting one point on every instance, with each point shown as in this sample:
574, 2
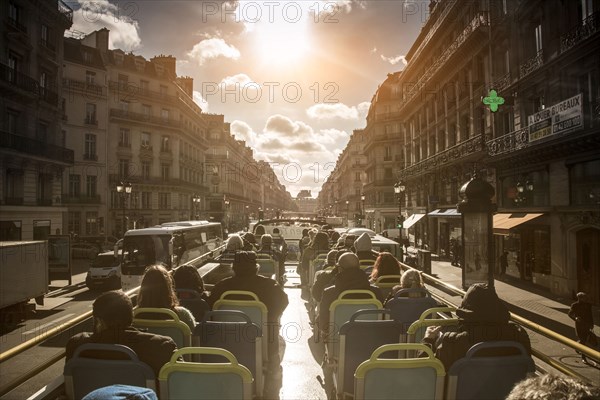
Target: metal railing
36, 147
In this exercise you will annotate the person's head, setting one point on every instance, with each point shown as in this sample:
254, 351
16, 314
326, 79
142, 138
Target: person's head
312, 233
320, 242
349, 240
332, 257
363, 243
582, 296
411, 279
244, 263
249, 237
482, 304
234, 243
553, 387
348, 260
304, 232
187, 277
276, 232
112, 310
335, 235
386, 264
157, 289
259, 230
266, 240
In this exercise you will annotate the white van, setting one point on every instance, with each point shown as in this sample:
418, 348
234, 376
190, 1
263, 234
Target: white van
104, 272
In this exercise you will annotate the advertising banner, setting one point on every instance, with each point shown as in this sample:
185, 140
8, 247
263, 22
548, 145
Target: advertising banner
561, 118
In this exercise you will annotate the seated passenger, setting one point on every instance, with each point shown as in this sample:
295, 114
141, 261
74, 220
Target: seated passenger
483, 317
319, 245
553, 387
249, 241
187, 277
304, 241
267, 290
364, 248
325, 279
234, 243
385, 264
121, 392
113, 315
411, 279
157, 291
349, 277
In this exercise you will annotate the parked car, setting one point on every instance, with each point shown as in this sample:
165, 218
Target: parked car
104, 272
84, 250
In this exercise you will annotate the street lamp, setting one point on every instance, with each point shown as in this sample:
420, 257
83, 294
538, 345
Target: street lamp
124, 190
227, 214
399, 189
347, 209
522, 191
477, 211
362, 205
196, 200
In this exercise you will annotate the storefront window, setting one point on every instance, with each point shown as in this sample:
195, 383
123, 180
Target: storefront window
535, 192
585, 182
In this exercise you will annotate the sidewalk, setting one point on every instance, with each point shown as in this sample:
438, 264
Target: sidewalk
525, 299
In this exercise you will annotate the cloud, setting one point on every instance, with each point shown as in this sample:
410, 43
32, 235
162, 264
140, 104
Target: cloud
331, 111
282, 125
242, 131
363, 109
394, 60
202, 103
238, 79
212, 48
124, 29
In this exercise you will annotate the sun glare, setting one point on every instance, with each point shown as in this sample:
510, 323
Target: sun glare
282, 43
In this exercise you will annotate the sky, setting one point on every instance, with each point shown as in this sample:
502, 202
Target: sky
294, 78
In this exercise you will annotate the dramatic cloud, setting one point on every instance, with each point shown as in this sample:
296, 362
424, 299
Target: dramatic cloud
212, 48
202, 103
239, 79
284, 126
395, 60
363, 109
119, 19
242, 131
331, 111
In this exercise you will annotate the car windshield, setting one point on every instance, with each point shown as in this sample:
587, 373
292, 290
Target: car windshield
104, 261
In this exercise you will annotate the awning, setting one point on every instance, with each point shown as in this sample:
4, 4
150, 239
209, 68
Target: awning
413, 219
503, 223
450, 212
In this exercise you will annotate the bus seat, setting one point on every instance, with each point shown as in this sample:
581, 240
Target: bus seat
386, 282
416, 331
483, 377
163, 321
389, 378
407, 309
242, 338
84, 374
358, 339
205, 381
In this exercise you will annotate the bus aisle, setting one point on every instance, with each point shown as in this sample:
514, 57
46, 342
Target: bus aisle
301, 356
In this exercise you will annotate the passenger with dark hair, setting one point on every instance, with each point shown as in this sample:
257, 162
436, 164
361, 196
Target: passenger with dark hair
249, 241
190, 290
553, 387
267, 248
280, 245
385, 264
325, 279
303, 242
319, 245
157, 291
483, 317
268, 291
259, 230
333, 238
112, 316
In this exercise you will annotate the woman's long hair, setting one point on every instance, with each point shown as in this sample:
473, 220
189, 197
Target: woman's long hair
187, 277
157, 289
320, 243
386, 264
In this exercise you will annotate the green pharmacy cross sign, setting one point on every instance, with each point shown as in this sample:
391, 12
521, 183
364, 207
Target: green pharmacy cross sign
493, 100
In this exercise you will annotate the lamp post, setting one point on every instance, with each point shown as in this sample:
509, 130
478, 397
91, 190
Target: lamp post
336, 208
362, 206
196, 200
227, 215
347, 209
124, 190
399, 189
477, 211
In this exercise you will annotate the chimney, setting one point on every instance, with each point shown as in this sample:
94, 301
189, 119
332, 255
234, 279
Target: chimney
168, 63
187, 84
97, 39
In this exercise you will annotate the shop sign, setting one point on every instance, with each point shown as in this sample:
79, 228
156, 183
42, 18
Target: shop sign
563, 117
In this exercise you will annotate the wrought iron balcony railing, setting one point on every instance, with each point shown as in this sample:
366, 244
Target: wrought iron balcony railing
510, 142
581, 32
36, 147
531, 64
123, 114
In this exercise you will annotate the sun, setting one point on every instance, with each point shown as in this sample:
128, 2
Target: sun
281, 43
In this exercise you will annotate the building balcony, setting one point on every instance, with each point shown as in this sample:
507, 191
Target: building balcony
90, 120
13, 201
48, 46
502, 83
531, 64
18, 80
388, 116
90, 90
216, 156
146, 151
138, 117
35, 147
90, 157
508, 143
65, 11
81, 199
131, 91
45, 202
16, 25
454, 154
586, 29
49, 96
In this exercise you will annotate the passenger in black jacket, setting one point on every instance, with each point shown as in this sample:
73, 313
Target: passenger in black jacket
581, 313
350, 277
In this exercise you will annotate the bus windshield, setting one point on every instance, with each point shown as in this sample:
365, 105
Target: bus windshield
144, 250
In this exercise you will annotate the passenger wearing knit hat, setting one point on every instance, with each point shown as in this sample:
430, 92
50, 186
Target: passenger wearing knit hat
483, 317
364, 249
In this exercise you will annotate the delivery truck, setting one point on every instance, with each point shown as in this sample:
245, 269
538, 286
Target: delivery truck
23, 276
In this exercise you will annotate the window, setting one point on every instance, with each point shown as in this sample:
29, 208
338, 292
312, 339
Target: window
11, 121
145, 140
163, 89
147, 200
165, 146
90, 184
74, 185
146, 110
90, 147
90, 77
13, 12
538, 38
124, 106
74, 222
124, 137
145, 169
357, 176
13, 67
144, 86
586, 9
387, 173
42, 132
90, 114
504, 6
91, 223
44, 34
164, 113
14, 187
10, 231
164, 201
88, 57
584, 178
123, 167
123, 82
388, 154
44, 189
165, 171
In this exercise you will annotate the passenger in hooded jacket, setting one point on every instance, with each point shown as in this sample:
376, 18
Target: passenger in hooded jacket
364, 248
483, 318
349, 277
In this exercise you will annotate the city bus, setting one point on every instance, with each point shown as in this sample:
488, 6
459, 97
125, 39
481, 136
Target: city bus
170, 244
